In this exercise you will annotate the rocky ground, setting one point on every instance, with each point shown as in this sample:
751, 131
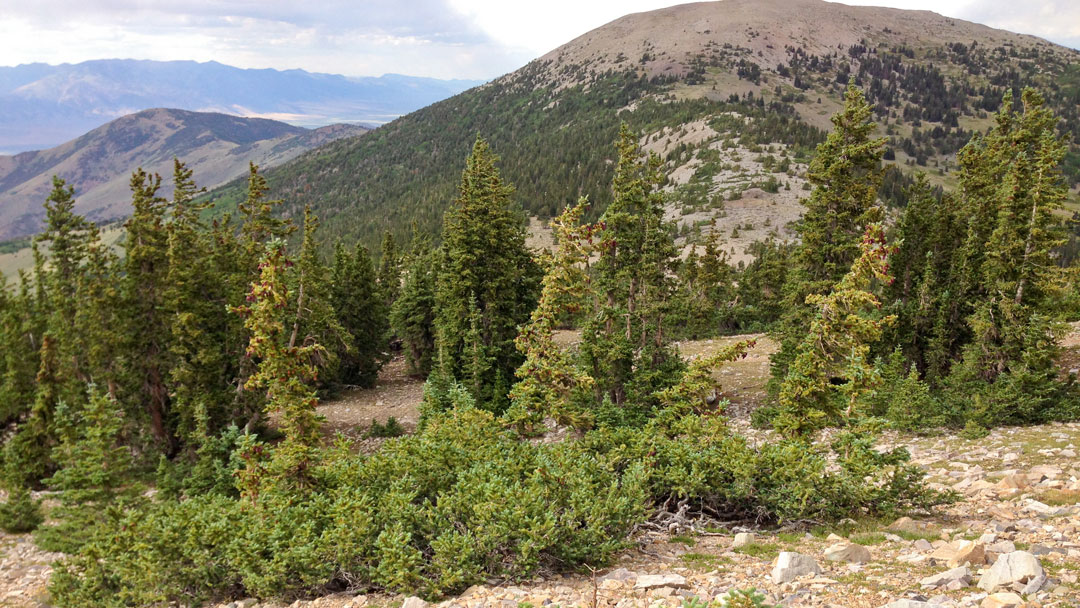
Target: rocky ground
1014, 539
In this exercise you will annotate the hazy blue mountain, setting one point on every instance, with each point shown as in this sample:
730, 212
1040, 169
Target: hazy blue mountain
45, 105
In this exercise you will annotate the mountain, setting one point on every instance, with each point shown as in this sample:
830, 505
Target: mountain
45, 105
733, 95
99, 164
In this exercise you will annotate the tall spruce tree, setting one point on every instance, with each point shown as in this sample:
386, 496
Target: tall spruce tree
624, 343
846, 174
146, 269
487, 282
837, 345
287, 372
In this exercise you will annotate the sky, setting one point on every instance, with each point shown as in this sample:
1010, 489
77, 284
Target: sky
473, 39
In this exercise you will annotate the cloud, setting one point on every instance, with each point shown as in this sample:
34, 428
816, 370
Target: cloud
1055, 20
438, 38
419, 37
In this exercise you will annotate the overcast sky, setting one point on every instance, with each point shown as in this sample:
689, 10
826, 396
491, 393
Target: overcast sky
477, 39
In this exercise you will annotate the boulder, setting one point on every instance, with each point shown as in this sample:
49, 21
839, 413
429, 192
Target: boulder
790, 566
1016, 567
1002, 600
905, 603
414, 602
848, 553
960, 575
742, 539
968, 552
655, 581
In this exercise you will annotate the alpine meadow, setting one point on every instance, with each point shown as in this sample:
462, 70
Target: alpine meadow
750, 303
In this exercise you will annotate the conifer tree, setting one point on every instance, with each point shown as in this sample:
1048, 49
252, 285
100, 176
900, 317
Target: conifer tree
240, 260
361, 311
194, 297
287, 372
837, 346
623, 344
484, 260
146, 267
413, 313
549, 378
95, 471
315, 319
846, 174
21, 327
389, 270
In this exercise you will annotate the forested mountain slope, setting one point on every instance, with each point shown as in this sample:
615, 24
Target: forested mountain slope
732, 95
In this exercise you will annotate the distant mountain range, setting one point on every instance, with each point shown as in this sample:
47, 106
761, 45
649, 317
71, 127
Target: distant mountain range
99, 164
45, 105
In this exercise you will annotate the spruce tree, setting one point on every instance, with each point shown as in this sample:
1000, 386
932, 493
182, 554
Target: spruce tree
95, 471
195, 295
624, 342
285, 371
485, 261
549, 380
837, 345
315, 319
146, 267
413, 314
846, 174
389, 270
362, 313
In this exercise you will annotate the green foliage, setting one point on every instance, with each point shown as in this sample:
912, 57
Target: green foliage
20, 513
486, 283
95, 472
391, 428
904, 399
430, 514
286, 371
845, 174
549, 381
837, 346
413, 313
361, 307
624, 341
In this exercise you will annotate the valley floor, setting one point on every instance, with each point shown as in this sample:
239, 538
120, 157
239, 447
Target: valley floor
1021, 490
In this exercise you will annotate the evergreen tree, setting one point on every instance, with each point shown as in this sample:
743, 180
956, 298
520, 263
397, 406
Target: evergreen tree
549, 379
623, 343
195, 295
146, 267
286, 372
413, 313
845, 173
362, 313
95, 471
316, 319
837, 346
389, 270
485, 261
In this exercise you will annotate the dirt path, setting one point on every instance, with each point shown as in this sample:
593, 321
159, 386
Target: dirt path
396, 395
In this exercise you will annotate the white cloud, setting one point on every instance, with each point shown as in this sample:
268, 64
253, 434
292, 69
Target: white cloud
439, 38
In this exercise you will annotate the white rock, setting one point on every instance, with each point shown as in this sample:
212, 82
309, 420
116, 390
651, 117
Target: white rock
743, 538
1016, 567
790, 566
848, 553
414, 602
961, 574
655, 581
